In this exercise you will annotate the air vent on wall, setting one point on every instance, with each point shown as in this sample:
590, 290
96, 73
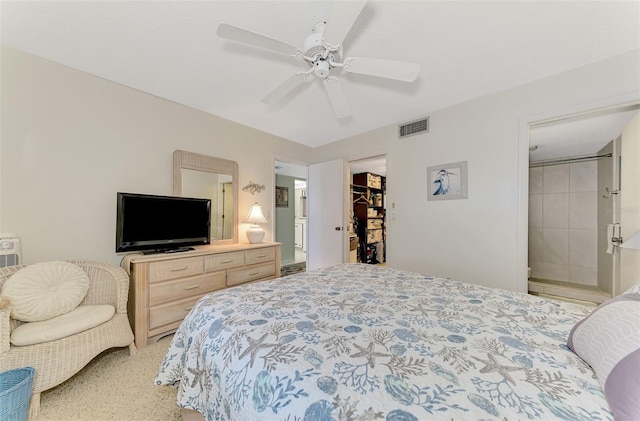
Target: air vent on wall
414, 127
9, 250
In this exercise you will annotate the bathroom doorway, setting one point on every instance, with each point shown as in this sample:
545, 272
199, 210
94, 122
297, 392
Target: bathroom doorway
574, 179
291, 215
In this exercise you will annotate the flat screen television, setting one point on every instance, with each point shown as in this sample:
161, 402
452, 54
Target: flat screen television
155, 224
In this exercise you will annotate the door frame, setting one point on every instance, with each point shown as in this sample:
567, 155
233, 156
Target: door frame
619, 101
350, 204
298, 163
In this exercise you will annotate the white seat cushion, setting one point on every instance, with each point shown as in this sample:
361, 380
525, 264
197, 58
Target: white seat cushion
44, 290
75, 321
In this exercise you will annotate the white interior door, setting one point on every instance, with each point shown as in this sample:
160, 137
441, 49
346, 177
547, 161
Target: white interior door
327, 185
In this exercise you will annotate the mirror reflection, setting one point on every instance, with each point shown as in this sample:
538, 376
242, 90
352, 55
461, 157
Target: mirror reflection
218, 188
203, 176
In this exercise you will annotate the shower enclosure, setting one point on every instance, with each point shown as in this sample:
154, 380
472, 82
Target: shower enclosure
571, 205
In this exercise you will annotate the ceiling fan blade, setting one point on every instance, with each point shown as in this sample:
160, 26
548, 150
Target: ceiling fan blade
341, 18
247, 37
390, 69
283, 89
336, 97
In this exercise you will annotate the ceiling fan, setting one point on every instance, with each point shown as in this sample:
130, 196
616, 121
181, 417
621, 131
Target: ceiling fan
322, 51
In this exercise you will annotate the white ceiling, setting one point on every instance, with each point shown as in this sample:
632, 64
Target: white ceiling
466, 49
376, 165
290, 169
578, 135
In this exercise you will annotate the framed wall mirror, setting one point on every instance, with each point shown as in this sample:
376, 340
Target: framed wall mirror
196, 175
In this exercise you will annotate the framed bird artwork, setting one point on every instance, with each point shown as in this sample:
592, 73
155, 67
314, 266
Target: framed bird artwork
447, 181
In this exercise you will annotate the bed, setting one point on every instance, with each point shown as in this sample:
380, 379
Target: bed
361, 342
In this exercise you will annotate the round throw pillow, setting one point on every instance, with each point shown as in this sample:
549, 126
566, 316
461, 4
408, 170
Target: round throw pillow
44, 290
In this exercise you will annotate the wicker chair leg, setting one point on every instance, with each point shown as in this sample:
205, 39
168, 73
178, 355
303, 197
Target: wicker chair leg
132, 349
34, 406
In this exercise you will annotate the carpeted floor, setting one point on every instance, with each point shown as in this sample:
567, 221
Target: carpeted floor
293, 268
117, 387
114, 387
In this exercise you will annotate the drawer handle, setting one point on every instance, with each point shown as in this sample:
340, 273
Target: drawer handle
226, 261
254, 273
179, 268
191, 287
261, 255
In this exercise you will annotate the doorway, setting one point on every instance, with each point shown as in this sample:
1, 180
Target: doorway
291, 214
324, 234
574, 162
367, 211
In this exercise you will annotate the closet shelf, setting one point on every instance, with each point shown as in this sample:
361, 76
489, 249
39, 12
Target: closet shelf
368, 208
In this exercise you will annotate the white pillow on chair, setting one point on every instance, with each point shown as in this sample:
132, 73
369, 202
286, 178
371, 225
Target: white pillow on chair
77, 320
44, 290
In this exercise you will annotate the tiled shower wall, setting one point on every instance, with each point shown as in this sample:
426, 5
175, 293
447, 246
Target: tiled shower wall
563, 217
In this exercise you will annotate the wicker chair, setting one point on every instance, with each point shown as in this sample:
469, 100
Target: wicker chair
58, 360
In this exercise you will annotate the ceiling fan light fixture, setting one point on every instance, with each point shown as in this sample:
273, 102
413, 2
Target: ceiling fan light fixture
321, 69
322, 51
314, 48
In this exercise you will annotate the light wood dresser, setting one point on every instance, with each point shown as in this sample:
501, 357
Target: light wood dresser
164, 287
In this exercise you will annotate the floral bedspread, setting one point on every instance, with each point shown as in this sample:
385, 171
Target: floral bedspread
360, 342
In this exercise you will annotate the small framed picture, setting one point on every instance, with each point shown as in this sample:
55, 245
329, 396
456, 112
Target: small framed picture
282, 197
447, 181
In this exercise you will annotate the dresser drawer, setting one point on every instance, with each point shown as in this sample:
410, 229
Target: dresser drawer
172, 312
223, 261
164, 288
182, 288
260, 255
178, 268
240, 276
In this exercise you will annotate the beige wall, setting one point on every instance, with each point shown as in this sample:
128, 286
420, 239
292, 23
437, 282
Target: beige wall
70, 141
482, 239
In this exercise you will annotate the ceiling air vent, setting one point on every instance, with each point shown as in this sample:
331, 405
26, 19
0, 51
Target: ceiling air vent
414, 127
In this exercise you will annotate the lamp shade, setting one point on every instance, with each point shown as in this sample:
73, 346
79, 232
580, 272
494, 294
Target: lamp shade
255, 234
255, 215
632, 243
